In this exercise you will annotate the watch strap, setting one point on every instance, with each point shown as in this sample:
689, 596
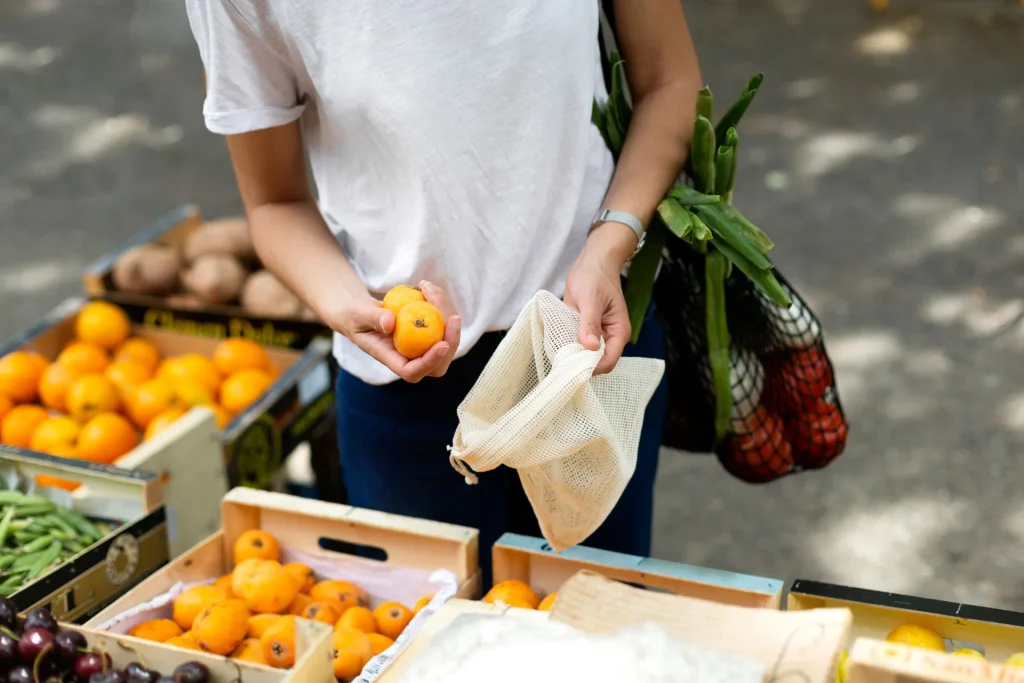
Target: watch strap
624, 217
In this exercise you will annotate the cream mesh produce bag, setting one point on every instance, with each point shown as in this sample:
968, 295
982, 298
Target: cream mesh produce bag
538, 408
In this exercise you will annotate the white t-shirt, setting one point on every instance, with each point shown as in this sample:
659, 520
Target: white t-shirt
450, 140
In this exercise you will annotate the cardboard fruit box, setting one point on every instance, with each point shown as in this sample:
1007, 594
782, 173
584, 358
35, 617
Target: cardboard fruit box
197, 462
420, 557
136, 545
788, 646
312, 657
996, 633
533, 561
175, 315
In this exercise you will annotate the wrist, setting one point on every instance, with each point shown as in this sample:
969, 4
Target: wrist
336, 307
613, 244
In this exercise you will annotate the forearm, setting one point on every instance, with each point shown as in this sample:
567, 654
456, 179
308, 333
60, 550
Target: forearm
656, 149
294, 243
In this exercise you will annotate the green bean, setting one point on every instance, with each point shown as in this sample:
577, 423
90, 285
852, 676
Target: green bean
33, 509
80, 523
25, 561
38, 544
45, 560
10, 585
5, 525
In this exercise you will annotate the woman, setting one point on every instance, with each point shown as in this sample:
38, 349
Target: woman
452, 148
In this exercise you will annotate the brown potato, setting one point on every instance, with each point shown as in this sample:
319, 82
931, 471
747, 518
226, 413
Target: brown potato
214, 278
147, 269
264, 294
223, 236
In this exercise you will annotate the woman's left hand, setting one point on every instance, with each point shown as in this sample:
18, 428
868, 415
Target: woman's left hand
594, 288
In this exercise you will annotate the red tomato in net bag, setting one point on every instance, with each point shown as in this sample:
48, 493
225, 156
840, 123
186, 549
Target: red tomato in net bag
818, 435
797, 380
760, 453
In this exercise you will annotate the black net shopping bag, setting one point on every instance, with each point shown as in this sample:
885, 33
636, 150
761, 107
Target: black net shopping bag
786, 415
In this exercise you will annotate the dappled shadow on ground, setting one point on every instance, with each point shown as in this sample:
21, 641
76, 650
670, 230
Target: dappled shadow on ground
100, 106
882, 155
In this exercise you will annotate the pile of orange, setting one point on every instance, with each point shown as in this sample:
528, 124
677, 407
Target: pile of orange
107, 389
250, 614
516, 593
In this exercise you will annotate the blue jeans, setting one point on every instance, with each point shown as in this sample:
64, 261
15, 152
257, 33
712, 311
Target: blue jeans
393, 440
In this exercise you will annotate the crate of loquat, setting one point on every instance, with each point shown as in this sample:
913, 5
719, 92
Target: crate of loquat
280, 560
528, 574
939, 627
203, 414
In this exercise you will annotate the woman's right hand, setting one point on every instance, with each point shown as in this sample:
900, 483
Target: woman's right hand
369, 326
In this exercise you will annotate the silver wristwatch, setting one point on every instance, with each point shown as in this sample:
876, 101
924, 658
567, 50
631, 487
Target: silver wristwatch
627, 219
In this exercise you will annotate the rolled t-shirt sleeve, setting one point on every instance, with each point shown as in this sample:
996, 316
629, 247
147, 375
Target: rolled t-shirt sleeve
249, 83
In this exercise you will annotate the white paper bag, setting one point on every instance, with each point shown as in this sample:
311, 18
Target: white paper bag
538, 408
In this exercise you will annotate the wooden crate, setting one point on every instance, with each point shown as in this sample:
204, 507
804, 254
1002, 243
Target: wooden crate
532, 560
133, 549
312, 660
304, 524
997, 633
175, 316
196, 461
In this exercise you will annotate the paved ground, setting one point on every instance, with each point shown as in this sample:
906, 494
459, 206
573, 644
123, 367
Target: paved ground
882, 156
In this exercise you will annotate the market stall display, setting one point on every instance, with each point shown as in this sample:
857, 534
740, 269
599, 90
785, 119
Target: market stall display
189, 275
74, 553
205, 414
877, 661
964, 631
279, 559
532, 563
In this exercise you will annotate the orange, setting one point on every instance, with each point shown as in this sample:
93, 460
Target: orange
300, 603
156, 629
57, 482
126, 374
225, 583
917, 636
399, 296
421, 603
324, 612
343, 593
359, 618
250, 651
244, 571
256, 543
103, 324
17, 426
418, 326
259, 623
148, 400
241, 389
237, 354
184, 641
162, 422
139, 350
191, 393
513, 593
84, 358
192, 367
548, 602
378, 643
54, 432
278, 642
270, 590
54, 385
20, 372
194, 600
91, 395
106, 437
222, 627
352, 650
304, 574
392, 618
5, 405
